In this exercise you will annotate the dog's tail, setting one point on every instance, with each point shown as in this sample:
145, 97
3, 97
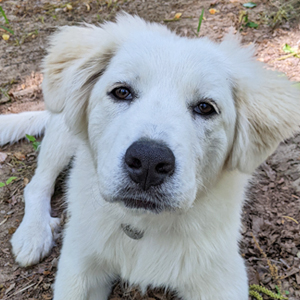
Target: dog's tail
14, 127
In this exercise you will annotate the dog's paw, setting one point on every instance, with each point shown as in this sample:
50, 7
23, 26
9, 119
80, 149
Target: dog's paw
33, 240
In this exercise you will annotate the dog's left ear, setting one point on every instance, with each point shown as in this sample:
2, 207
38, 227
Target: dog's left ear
267, 107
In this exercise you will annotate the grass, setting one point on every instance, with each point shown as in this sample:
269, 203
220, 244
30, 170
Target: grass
8, 181
200, 21
286, 10
32, 139
4, 15
6, 21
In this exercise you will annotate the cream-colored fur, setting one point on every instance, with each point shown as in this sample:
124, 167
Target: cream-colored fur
191, 246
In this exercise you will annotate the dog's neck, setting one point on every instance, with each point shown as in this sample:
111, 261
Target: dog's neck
226, 202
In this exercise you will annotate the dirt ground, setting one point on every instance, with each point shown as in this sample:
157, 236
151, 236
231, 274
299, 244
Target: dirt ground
271, 215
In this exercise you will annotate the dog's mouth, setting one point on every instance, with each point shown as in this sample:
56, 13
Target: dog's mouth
154, 201
142, 205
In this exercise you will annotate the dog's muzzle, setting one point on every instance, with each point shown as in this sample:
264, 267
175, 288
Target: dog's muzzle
148, 163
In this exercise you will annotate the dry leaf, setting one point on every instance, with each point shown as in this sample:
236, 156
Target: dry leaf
3, 157
177, 16
5, 250
12, 230
19, 156
5, 37
213, 3
25, 181
46, 286
10, 288
13, 201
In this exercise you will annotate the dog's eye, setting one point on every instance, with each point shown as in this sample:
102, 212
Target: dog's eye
204, 108
122, 93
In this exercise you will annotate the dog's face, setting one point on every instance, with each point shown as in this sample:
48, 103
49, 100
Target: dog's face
165, 100
164, 116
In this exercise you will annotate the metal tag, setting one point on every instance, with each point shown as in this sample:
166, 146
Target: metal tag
131, 232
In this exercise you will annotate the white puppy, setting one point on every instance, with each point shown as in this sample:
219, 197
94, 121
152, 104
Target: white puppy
166, 131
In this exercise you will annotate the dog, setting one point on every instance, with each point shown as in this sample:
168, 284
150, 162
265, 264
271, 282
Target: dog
166, 132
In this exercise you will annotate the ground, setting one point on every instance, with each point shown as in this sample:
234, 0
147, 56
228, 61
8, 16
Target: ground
272, 214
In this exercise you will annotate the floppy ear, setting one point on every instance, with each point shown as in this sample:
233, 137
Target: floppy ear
76, 58
267, 104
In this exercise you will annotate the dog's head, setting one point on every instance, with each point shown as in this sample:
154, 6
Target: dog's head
164, 115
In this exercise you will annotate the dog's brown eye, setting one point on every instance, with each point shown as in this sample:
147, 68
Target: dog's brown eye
122, 93
204, 109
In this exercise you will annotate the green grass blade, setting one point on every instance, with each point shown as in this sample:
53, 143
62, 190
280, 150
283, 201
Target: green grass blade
4, 15
30, 138
7, 29
200, 21
36, 145
10, 179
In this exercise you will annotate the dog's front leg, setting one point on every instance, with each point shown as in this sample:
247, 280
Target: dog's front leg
70, 285
83, 271
226, 279
79, 276
34, 238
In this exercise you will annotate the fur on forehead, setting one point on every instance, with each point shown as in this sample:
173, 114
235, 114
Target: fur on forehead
267, 104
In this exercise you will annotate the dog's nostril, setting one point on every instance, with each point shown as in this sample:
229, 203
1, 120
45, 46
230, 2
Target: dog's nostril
135, 163
164, 168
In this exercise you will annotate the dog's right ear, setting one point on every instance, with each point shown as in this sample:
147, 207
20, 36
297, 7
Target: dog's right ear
76, 58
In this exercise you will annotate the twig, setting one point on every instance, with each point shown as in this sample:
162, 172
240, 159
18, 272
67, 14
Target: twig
273, 268
284, 263
288, 56
290, 218
20, 291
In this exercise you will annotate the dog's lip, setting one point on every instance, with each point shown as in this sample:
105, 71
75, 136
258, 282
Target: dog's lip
141, 204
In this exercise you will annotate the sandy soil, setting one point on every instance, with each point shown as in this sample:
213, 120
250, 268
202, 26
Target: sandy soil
271, 215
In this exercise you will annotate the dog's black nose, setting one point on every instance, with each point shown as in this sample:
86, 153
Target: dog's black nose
149, 163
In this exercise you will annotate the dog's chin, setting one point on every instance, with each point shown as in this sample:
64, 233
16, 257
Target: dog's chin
142, 205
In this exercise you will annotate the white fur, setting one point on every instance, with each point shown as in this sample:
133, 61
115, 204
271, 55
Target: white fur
191, 248
15, 126
34, 237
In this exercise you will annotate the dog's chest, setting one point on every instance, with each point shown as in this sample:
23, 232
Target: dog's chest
153, 259
156, 258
